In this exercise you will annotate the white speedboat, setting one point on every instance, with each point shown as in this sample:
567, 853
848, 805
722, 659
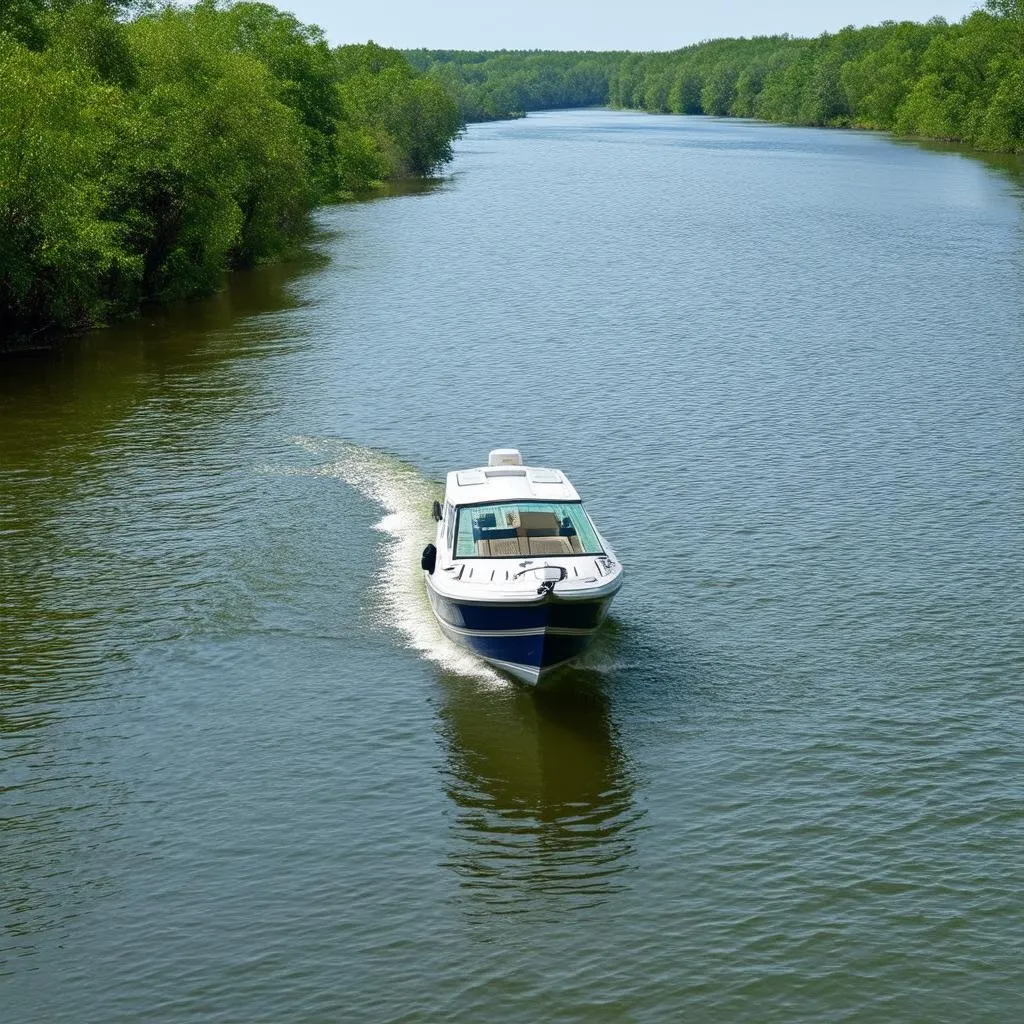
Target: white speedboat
518, 573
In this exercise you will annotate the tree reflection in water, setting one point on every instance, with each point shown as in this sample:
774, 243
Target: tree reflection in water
543, 793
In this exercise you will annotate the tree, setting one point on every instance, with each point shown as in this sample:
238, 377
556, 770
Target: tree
57, 246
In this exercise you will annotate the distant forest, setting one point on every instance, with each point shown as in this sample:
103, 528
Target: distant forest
492, 85
962, 82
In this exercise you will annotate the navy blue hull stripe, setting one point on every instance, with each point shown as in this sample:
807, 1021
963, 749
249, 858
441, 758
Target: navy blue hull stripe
533, 650
505, 617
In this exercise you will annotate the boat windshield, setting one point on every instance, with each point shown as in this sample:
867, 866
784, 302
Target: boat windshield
514, 529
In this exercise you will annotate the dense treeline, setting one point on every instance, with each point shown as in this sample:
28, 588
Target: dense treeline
490, 85
962, 82
141, 157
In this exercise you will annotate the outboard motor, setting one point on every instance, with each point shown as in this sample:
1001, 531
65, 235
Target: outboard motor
429, 559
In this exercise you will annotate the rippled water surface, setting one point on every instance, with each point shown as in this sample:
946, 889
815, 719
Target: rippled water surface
242, 778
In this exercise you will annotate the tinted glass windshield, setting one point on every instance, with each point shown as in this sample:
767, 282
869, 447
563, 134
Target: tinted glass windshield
514, 529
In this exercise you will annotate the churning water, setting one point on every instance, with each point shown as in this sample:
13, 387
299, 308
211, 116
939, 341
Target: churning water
406, 498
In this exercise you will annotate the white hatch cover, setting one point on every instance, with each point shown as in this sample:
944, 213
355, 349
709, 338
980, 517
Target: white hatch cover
545, 476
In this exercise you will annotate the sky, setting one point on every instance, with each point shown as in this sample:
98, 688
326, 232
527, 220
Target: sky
598, 24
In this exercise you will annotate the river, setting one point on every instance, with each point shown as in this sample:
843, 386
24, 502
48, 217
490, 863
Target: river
242, 777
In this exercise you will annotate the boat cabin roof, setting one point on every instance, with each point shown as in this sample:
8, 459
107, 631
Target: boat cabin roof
507, 483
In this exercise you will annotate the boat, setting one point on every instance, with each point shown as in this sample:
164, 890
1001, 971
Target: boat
518, 573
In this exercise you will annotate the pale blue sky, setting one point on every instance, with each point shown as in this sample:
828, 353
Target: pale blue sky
599, 24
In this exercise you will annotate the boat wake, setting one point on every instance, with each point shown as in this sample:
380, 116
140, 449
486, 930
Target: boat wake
406, 496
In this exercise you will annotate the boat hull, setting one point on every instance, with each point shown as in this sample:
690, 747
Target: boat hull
526, 640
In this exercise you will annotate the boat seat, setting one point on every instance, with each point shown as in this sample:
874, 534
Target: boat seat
506, 546
550, 546
483, 547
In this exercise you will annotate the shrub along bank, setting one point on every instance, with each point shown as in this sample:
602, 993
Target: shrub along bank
140, 158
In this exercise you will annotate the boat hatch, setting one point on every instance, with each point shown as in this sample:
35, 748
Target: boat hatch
545, 476
504, 471
470, 477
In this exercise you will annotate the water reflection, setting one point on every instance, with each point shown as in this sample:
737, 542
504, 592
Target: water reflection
543, 793
1009, 165
118, 477
407, 187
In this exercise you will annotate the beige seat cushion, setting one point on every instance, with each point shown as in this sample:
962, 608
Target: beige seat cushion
483, 547
506, 546
550, 546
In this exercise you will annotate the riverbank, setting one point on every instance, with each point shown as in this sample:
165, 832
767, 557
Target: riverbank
959, 82
141, 160
951, 82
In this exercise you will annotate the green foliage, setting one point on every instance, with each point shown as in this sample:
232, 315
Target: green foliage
306, 72
139, 159
239, 195
961, 82
408, 120
490, 85
878, 82
57, 247
1011, 9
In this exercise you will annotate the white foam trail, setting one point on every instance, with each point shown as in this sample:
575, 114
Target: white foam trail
406, 496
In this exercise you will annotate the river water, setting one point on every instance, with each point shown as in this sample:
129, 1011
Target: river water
242, 778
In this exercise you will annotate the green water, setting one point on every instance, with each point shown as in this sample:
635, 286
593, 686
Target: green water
243, 778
